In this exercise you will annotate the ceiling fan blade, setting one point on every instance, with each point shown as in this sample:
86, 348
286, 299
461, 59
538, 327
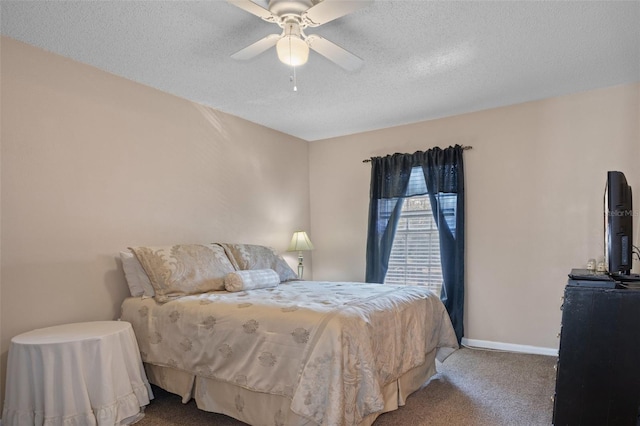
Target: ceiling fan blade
335, 53
254, 9
256, 48
328, 10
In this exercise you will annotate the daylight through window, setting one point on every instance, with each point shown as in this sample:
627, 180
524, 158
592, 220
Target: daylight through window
415, 254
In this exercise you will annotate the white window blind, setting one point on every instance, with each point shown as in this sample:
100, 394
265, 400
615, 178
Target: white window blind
415, 254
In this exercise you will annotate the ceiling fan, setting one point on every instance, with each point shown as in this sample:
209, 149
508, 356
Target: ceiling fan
293, 16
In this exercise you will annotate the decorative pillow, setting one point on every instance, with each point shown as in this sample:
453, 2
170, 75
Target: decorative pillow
249, 256
180, 270
251, 279
137, 278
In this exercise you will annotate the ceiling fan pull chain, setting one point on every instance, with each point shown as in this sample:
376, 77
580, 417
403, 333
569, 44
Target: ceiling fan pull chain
295, 82
293, 77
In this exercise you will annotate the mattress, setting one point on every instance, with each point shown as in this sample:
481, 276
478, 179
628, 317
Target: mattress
330, 350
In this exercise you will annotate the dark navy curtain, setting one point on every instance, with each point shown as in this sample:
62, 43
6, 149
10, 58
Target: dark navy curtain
389, 182
444, 177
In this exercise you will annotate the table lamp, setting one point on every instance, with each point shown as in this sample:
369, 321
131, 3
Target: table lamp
300, 242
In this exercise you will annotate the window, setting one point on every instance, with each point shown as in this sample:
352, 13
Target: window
415, 254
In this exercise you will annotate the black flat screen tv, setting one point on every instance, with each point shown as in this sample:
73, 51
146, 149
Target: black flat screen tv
618, 224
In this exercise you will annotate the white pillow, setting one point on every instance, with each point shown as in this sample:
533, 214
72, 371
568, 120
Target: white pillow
137, 279
251, 256
251, 279
183, 269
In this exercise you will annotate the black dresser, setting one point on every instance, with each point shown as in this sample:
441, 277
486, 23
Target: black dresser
598, 371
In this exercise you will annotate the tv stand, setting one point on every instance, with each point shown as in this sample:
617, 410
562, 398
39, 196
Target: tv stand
598, 371
628, 278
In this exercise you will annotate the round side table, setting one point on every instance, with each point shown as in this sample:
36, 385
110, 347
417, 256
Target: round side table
85, 374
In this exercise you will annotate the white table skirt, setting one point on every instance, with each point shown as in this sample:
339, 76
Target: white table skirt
81, 374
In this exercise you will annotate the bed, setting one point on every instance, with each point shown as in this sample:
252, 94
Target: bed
286, 352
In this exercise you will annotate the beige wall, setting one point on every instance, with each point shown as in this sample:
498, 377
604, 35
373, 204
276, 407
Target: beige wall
92, 163
534, 198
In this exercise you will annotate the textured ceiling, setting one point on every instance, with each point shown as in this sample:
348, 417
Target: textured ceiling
423, 59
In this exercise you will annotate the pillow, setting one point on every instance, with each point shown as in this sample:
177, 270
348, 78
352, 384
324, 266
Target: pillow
137, 278
251, 279
180, 270
248, 256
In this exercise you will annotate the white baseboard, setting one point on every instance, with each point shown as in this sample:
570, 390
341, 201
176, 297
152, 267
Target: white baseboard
509, 347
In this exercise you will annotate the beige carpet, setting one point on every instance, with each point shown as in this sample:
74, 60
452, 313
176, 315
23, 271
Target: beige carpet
472, 387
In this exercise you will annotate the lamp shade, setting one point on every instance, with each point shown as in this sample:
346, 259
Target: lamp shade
292, 50
300, 242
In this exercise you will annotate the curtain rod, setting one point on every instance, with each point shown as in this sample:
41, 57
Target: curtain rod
464, 148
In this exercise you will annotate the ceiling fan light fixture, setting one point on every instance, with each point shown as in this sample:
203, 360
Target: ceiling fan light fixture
292, 50
293, 16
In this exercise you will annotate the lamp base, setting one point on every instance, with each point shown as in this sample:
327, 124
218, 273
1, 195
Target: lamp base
300, 265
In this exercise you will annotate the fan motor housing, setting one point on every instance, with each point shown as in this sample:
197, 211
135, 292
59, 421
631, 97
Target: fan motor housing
287, 7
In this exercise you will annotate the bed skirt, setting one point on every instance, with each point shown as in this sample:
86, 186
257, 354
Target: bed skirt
258, 409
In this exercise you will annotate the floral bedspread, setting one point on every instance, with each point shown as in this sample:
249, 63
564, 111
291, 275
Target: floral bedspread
330, 347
